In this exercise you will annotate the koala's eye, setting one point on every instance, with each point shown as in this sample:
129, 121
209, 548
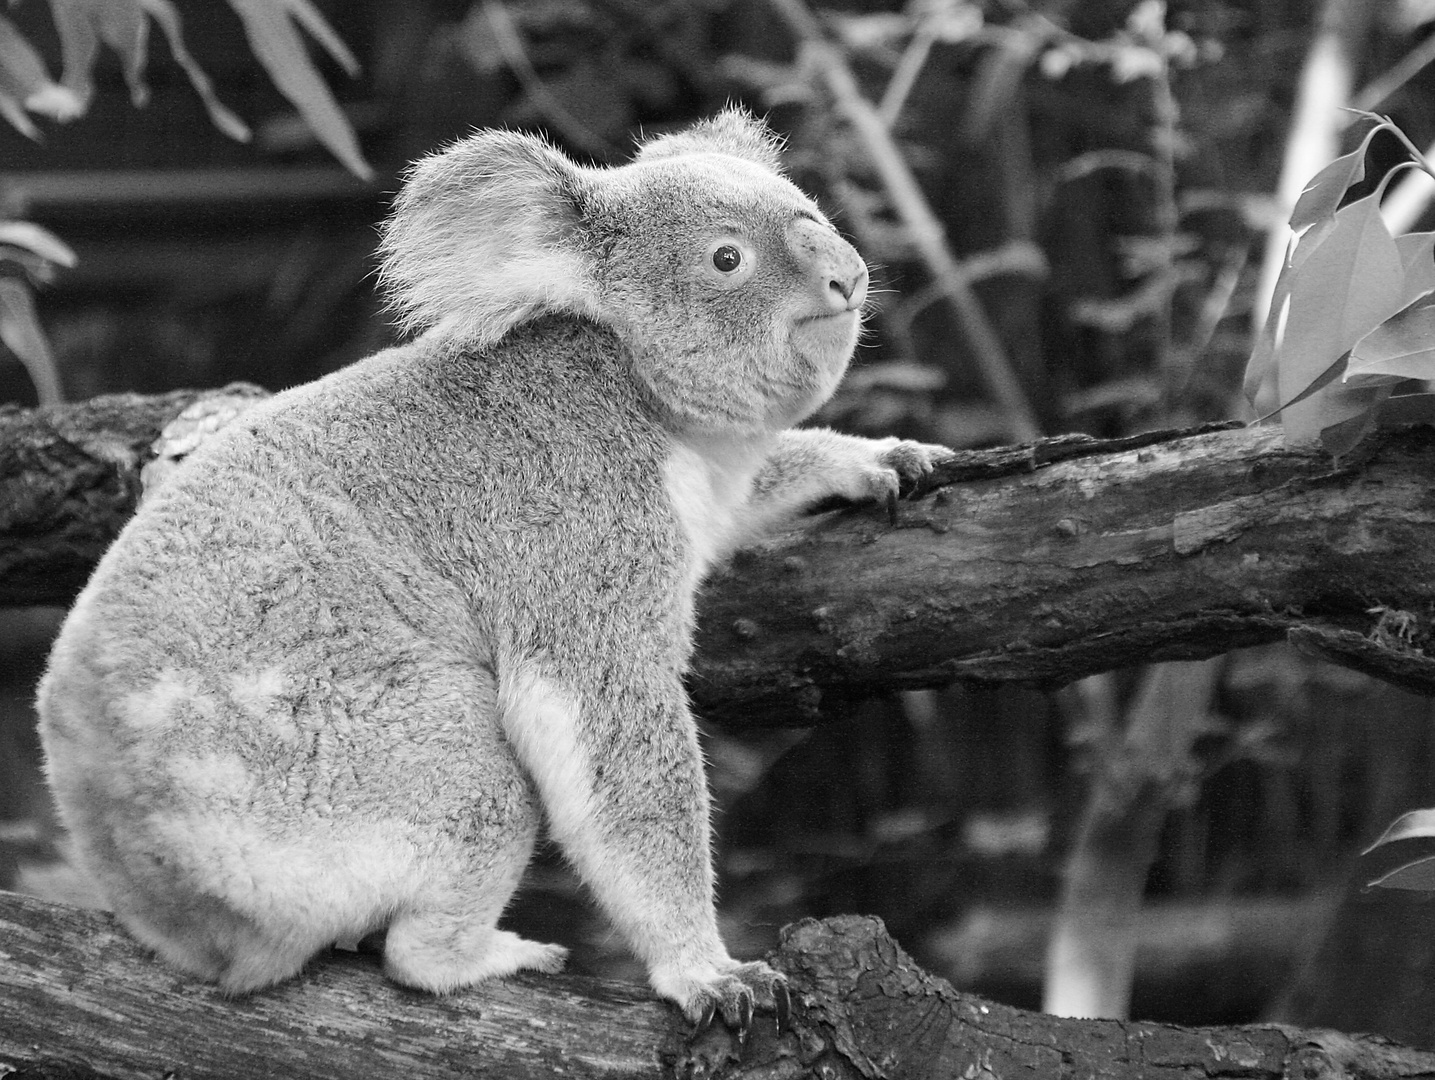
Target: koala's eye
728, 262
727, 259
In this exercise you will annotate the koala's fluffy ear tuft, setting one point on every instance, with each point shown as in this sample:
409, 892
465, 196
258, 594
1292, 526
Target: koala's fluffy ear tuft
734, 131
486, 234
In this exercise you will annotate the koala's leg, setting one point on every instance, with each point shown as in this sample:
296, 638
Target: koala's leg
620, 774
810, 465
239, 865
446, 937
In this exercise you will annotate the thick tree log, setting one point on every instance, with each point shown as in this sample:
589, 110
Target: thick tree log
1040, 563
80, 999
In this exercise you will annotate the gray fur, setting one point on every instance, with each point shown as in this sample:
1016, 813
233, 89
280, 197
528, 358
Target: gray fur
339, 664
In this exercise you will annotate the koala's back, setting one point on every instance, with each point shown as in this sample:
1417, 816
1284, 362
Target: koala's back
285, 671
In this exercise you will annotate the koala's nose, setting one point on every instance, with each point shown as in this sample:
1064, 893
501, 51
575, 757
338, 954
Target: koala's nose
835, 272
850, 289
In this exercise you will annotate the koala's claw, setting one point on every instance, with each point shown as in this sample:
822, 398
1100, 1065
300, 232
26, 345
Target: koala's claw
907, 466
736, 996
705, 1020
782, 1005
744, 1018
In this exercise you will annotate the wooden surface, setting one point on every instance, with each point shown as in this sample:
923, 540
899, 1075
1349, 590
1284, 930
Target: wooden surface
1083, 558
1040, 563
79, 999
73, 984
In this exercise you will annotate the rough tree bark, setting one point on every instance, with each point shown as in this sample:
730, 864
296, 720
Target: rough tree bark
79, 1000
1041, 563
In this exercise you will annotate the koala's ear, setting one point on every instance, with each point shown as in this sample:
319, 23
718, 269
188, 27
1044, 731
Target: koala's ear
734, 131
486, 234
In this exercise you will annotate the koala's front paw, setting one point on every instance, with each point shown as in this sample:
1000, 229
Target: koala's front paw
900, 470
734, 995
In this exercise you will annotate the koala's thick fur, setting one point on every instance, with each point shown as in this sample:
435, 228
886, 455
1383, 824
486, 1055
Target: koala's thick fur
339, 664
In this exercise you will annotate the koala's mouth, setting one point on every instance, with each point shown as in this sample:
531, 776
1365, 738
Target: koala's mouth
827, 336
824, 316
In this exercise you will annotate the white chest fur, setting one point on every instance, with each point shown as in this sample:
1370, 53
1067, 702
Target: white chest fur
709, 481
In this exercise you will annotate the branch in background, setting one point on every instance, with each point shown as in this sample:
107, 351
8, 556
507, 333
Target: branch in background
916, 214
1041, 563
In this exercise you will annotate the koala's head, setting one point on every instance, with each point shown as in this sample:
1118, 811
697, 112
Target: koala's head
737, 299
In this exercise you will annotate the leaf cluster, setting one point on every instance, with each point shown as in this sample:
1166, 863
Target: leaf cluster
272, 28
1350, 337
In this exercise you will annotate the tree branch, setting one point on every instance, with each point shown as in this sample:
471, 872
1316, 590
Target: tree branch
1041, 563
78, 998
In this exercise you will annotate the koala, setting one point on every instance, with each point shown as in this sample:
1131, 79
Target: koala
352, 653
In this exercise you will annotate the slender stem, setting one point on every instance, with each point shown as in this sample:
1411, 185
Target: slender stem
510, 43
922, 224
914, 58
1385, 84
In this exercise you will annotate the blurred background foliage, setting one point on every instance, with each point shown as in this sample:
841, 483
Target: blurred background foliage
1101, 175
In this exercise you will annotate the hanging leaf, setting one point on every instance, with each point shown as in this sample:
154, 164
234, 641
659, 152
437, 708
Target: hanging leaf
79, 47
25, 85
1263, 353
1419, 875
1417, 253
1344, 415
1322, 196
1403, 345
1321, 381
166, 15
1405, 407
1347, 286
120, 24
277, 45
21, 333
310, 19
41, 242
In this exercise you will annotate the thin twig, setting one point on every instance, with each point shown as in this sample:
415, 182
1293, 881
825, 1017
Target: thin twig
1383, 85
911, 205
914, 58
510, 43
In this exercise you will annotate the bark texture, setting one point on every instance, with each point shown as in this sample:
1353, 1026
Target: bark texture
79, 999
1040, 563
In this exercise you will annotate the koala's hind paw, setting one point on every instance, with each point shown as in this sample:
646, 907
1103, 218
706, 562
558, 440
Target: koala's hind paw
735, 995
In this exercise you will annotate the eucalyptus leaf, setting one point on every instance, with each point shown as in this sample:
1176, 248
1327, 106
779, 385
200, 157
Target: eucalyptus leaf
308, 16
1320, 382
1347, 286
14, 112
1263, 352
1323, 194
84, 24
1404, 407
1345, 415
79, 47
277, 45
1403, 345
31, 237
1417, 252
166, 15
1418, 874
24, 82
21, 333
